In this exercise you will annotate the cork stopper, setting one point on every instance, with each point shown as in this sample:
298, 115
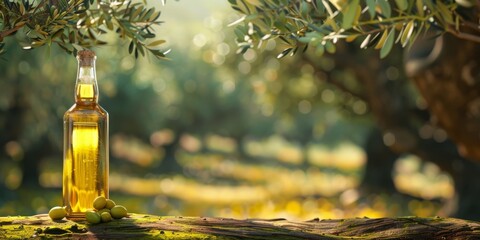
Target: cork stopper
86, 58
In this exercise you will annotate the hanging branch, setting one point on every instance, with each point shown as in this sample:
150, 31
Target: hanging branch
77, 24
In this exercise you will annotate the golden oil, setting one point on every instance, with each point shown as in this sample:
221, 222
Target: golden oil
86, 157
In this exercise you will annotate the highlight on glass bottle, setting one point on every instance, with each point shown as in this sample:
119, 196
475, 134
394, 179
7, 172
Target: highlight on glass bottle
85, 153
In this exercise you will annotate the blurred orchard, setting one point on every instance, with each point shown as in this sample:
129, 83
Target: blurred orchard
208, 132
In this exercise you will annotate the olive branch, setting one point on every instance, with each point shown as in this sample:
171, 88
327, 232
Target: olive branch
377, 23
77, 24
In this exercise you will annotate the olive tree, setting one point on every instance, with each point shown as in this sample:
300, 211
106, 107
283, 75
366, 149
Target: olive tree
322, 24
411, 37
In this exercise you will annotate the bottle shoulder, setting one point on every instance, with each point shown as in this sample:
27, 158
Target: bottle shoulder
102, 110
93, 110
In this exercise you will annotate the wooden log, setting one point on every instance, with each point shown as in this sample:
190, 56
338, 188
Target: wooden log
142, 226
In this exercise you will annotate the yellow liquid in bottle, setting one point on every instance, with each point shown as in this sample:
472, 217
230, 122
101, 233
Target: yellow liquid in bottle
84, 163
85, 91
85, 175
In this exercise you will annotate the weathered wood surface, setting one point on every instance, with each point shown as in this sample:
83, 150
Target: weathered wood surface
140, 226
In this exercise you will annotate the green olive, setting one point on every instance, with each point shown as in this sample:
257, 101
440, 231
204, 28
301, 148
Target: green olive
106, 217
118, 211
103, 210
99, 202
57, 213
110, 204
92, 217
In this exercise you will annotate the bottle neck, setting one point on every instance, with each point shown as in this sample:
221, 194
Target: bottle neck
86, 88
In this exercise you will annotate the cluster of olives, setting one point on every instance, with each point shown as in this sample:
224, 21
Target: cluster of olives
104, 211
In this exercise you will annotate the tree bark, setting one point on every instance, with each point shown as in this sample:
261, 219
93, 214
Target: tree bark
143, 226
448, 76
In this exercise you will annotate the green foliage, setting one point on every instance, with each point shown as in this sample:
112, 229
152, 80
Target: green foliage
77, 24
277, 114
379, 23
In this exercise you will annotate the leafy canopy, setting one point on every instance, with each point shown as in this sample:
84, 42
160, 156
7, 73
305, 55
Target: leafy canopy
77, 24
377, 23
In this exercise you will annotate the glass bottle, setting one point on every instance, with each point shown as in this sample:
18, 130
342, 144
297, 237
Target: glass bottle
85, 153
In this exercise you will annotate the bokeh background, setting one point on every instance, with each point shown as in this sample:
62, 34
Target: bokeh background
208, 132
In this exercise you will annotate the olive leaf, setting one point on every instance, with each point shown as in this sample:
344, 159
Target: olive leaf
284, 53
385, 8
402, 4
350, 13
365, 41
407, 33
382, 40
371, 8
387, 46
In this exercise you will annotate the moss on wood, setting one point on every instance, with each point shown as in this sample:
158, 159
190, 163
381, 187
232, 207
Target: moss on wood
143, 226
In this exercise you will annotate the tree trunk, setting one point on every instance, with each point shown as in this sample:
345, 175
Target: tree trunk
31, 161
143, 226
169, 163
447, 75
379, 166
446, 71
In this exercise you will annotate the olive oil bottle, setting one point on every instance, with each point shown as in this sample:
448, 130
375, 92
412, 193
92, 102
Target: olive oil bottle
85, 153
